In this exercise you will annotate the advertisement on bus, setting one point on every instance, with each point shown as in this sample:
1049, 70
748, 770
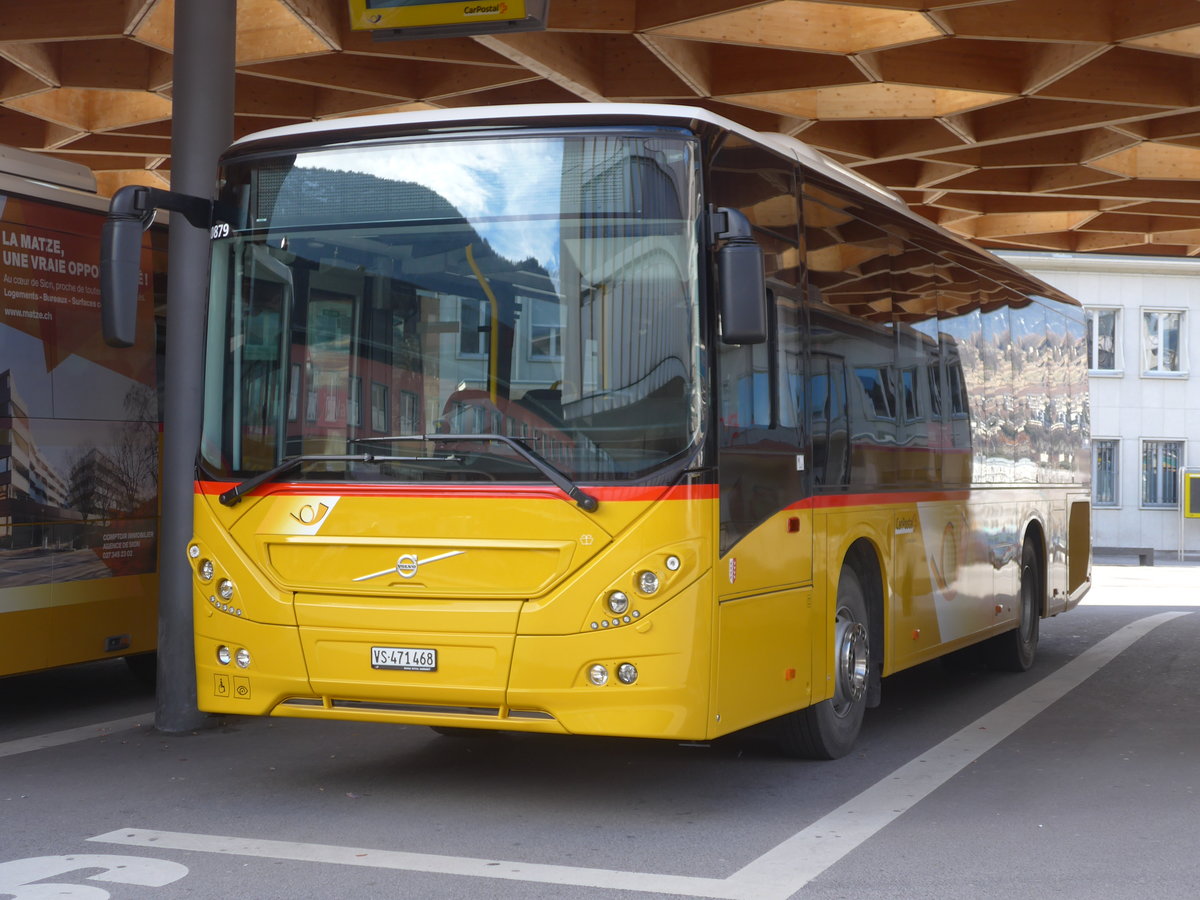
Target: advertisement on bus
79, 432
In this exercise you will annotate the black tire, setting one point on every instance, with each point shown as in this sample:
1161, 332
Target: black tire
828, 730
1014, 651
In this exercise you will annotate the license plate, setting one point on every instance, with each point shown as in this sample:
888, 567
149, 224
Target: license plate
407, 659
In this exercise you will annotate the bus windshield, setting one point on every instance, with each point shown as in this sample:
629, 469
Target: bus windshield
541, 287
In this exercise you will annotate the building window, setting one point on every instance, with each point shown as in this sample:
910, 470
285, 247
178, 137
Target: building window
909, 398
354, 401
545, 329
409, 420
1161, 461
1102, 329
294, 394
310, 399
881, 392
379, 407
473, 328
1161, 342
1104, 473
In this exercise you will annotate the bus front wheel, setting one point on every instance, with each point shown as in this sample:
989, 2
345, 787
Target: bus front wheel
827, 730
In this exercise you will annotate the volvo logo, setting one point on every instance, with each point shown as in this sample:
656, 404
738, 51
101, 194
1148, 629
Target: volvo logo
407, 564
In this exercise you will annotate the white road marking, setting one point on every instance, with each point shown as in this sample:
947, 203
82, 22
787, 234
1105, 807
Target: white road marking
72, 735
421, 862
782, 871
32, 873
777, 874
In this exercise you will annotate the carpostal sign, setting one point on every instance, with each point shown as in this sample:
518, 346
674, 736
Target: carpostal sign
386, 14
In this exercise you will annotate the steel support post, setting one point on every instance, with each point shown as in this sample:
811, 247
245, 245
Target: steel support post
202, 126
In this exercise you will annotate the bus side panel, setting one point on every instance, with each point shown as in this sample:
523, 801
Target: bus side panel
17, 652
61, 624
764, 661
948, 575
106, 616
1079, 553
1056, 554
764, 622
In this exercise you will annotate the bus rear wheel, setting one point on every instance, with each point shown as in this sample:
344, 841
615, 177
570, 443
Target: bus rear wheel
827, 730
1014, 651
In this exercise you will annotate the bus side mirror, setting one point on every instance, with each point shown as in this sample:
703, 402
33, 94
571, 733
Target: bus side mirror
130, 212
741, 282
120, 264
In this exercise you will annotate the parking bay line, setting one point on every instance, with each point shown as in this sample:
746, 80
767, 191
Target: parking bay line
73, 735
777, 874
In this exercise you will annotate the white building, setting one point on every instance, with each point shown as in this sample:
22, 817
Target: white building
1143, 333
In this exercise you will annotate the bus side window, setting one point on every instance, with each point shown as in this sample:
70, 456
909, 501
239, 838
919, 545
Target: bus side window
828, 425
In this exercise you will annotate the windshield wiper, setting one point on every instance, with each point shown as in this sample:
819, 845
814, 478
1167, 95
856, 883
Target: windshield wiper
232, 496
556, 476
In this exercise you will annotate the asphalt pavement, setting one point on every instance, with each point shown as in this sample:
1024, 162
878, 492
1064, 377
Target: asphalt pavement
1078, 779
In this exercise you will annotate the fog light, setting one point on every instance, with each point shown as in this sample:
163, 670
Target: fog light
223, 655
206, 569
647, 582
618, 602
598, 675
225, 589
242, 658
627, 673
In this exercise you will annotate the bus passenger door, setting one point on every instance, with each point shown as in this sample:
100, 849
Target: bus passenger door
764, 573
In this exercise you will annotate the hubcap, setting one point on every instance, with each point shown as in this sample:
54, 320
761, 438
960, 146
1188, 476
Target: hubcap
853, 663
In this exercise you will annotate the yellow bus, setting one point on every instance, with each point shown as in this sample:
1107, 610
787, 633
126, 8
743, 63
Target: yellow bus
79, 432
615, 419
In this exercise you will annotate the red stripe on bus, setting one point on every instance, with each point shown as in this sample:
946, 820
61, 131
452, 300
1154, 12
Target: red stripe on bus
608, 493
898, 498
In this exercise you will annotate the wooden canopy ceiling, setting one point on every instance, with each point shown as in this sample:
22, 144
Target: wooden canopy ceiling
1069, 125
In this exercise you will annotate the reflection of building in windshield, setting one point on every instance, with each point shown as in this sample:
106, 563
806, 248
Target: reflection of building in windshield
376, 308
634, 334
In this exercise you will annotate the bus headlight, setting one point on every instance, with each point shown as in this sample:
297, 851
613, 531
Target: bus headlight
647, 582
224, 655
618, 602
225, 589
598, 675
206, 569
627, 673
242, 658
